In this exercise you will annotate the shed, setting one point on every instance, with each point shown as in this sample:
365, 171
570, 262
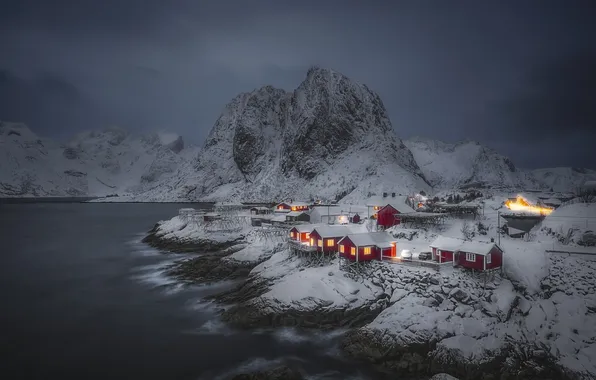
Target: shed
367, 246
443, 248
478, 255
355, 219
297, 216
326, 237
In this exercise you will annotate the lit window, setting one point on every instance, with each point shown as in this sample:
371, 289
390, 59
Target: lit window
471, 257
488, 258
367, 251
341, 248
320, 243
307, 235
312, 242
293, 208
353, 251
330, 243
292, 234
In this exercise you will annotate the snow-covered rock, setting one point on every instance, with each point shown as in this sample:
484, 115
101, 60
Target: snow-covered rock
94, 163
330, 138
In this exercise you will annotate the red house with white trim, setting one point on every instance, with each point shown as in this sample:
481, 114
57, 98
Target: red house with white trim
388, 217
367, 246
479, 256
443, 248
326, 237
292, 206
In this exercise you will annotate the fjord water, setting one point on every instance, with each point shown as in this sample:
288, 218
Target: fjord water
82, 297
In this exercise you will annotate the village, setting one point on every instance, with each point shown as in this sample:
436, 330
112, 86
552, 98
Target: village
382, 227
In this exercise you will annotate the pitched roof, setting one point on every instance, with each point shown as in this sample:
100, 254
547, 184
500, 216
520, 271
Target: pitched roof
446, 243
380, 239
298, 204
296, 213
260, 208
306, 227
327, 231
330, 210
401, 207
478, 247
279, 218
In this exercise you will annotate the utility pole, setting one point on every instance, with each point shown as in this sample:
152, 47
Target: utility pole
499, 227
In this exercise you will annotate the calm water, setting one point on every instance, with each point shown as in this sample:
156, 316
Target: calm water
81, 297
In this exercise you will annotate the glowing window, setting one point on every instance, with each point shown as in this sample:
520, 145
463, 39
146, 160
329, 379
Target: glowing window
312, 242
320, 243
353, 251
341, 248
307, 235
471, 257
330, 243
367, 251
292, 234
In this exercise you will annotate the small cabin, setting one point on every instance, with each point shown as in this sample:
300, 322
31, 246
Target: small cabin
302, 232
355, 219
326, 237
443, 247
367, 246
297, 216
479, 256
299, 206
260, 211
388, 215
283, 207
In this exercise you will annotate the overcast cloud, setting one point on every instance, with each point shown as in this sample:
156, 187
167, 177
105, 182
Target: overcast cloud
516, 76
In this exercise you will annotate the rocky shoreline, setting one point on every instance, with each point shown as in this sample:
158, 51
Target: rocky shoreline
408, 348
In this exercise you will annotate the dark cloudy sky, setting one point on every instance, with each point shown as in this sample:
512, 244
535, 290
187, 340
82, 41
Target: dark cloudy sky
518, 76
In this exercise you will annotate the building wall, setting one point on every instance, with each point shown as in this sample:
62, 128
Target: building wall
303, 218
443, 254
496, 258
389, 252
374, 254
476, 265
283, 206
304, 236
386, 217
347, 243
314, 239
294, 234
333, 247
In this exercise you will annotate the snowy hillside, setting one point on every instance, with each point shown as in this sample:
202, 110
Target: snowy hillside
449, 166
329, 138
95, 163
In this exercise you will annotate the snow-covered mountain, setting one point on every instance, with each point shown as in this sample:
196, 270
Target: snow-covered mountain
329, 138
448, 166
95, 163
467, 163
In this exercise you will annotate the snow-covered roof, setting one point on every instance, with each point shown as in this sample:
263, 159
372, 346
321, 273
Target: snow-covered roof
446, 243
375, 201
296, 213
327, 231
260, 208
478, 247
380, 239
298, 204
279, 218
401, 207
330, 210
306, 227
514, 231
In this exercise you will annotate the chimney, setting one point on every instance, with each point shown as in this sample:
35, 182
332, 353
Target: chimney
392, 195
492, 240
384, 195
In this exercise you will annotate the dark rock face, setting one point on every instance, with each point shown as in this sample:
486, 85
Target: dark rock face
177, 145
177, 246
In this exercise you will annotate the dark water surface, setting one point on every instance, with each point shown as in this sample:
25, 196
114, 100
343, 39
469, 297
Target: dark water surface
80, 297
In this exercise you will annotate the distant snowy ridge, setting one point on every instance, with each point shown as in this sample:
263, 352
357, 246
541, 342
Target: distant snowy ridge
93, 163
467, 163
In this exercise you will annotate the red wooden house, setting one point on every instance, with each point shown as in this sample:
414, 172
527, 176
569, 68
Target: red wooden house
302, 232
478, 256
283, 207
326, 237
443, 248
367, 246
388, 216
